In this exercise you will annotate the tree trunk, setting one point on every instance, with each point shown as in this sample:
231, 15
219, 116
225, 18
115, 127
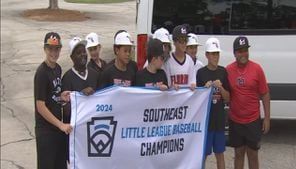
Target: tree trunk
53, 4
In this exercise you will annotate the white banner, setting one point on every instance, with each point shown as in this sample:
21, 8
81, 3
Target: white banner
136, 128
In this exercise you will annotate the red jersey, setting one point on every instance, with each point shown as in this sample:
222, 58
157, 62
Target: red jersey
247, 84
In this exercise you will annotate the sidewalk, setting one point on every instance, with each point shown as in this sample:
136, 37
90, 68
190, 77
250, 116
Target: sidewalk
21, 54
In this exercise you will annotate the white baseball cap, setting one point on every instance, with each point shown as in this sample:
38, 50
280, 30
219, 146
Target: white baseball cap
213, 45
74, 42
162, 34
123, 38
92, 40
192, 40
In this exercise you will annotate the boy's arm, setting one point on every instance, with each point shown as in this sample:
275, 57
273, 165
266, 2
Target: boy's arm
192, 76
168, 74
225, 85
225, 93
66, 89
48, 116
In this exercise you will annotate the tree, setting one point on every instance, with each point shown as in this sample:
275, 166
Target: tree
53, 4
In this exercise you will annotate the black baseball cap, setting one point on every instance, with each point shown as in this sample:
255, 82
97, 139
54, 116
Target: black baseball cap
154, 48
240, 42
52, 39
180, 31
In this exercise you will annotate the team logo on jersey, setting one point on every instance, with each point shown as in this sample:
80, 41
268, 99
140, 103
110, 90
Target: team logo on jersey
216, 90
216, 95
181, 79
100, 136
240, 81
121, 82
57, 89
153, 84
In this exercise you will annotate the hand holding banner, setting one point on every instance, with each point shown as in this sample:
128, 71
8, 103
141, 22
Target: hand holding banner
133, 128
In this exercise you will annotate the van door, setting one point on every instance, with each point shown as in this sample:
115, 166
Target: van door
269, 25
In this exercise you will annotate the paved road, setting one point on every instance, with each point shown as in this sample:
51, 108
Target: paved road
21, 53
278, 148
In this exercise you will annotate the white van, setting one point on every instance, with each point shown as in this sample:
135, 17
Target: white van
270, 26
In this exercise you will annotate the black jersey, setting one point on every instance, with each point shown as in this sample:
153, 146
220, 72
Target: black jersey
72, 81
148, 79
92, 64
217, 114
113, 76
132, 64
47, 88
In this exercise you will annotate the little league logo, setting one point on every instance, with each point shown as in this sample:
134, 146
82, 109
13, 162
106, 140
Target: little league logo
100, 136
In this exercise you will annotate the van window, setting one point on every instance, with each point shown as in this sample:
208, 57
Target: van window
226, 16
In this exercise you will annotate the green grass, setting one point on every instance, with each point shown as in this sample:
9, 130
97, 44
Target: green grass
96, 1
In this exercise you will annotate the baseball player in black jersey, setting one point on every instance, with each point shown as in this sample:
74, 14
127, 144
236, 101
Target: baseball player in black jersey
120, 72
213, 75
93, 47
79, 78
153, 75
50, 130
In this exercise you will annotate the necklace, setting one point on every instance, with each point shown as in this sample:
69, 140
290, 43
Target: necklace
240, 80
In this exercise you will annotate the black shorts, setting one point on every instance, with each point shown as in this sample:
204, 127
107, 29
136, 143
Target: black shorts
245, 134
51, 149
